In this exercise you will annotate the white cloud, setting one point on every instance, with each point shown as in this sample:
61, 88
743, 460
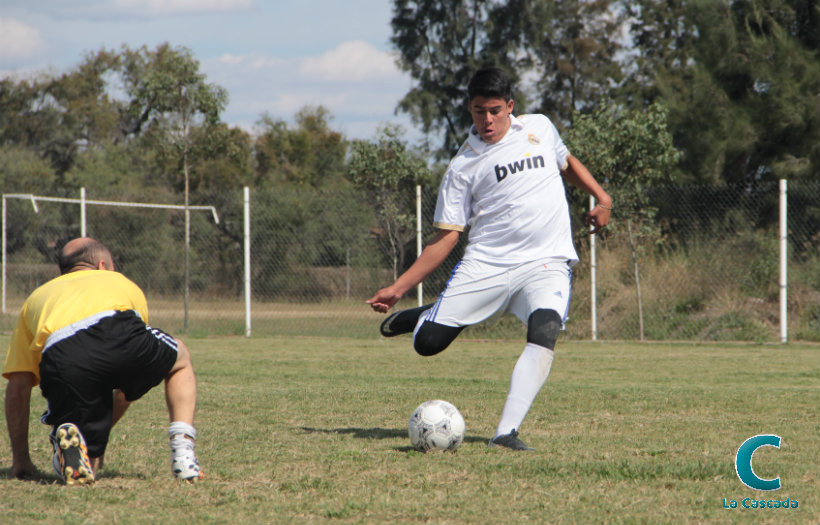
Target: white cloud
169, 7
250, 61
350, 62
18, 41
358, 83
228, 58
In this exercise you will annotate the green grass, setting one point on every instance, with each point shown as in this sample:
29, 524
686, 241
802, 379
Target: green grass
313, 430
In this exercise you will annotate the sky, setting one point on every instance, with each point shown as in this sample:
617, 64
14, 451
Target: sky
272, 56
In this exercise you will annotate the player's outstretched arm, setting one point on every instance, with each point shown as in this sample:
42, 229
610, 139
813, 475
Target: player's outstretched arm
579, 176
18, 402
431, 258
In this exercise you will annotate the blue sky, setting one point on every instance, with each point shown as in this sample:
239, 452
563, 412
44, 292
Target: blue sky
273, 57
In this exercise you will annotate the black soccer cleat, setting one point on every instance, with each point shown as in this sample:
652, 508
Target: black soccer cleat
510, 441
403, 321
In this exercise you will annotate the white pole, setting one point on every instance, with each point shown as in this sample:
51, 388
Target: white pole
34, 204
784, 246
82, 212
247, 198
4, 254
418, 237
593, 277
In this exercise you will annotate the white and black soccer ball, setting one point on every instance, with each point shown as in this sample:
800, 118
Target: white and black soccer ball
436, 425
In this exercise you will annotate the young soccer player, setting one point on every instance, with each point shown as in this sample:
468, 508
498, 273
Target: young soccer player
506, 184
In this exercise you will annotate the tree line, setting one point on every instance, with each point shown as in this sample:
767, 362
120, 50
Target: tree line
719, 92
739, 78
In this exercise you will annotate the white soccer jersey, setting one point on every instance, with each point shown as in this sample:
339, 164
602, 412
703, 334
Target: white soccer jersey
511, 195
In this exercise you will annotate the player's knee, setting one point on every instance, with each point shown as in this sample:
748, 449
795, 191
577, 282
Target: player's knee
543, 327
433, 338
183, 356
427, 344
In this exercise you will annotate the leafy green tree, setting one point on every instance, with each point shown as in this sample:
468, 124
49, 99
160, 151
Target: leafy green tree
22, 170
168, 93
388, 172
123, 123
88, 112
560, 55
167, 88
567, 51
740, 80
630, 151
61, 116
113, 171
309, 154
221, 158
440, 43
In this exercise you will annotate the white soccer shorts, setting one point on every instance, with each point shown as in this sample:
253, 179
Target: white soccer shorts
479, 291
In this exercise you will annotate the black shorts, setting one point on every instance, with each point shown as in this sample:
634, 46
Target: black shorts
79, 373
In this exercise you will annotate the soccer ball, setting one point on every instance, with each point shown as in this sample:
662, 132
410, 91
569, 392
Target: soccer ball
436, 425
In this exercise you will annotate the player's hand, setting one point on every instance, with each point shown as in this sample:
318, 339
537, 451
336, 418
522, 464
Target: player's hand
384, 299
23, 470
597, 218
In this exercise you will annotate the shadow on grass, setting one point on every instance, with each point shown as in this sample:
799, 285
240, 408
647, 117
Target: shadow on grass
118, 474
379, 433
49, 478
362, 433
39, 478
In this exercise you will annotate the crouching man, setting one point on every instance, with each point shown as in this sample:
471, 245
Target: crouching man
83, 338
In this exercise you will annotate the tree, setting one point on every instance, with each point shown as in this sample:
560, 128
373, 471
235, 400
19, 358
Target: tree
62, 116
740, 80
388, 173
567, 50
630, 151
221, 158
560, 56
309, 154
167, 90
440, 45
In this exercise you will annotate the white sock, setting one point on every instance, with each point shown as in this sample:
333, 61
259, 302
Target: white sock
180, 427
528, 377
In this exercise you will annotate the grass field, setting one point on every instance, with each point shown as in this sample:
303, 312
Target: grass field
313, 430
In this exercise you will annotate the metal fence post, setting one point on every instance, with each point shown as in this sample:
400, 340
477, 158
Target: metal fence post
784, 248
593, 266
82, 213
418, 237
247, 215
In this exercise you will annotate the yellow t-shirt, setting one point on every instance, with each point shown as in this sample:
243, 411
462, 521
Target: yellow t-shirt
63, 301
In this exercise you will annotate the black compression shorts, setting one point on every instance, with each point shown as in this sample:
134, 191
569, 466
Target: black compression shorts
79, 372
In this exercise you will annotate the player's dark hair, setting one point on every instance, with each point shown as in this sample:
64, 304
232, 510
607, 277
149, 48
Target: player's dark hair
90, 253
490, 82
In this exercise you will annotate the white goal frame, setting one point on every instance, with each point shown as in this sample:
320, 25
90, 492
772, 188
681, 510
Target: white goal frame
82, 201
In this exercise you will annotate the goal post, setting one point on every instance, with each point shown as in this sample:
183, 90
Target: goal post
83, 202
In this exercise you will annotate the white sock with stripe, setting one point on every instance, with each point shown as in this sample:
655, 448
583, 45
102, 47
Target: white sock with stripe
529, 375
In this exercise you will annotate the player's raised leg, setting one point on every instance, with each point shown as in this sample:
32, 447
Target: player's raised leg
403, 321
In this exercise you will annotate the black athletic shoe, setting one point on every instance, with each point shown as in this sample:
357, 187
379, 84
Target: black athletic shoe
403, 321
510, 441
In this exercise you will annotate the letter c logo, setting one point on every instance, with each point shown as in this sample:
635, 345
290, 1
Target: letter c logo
743, 462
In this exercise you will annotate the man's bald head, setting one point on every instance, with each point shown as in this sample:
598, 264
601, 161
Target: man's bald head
84, 253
